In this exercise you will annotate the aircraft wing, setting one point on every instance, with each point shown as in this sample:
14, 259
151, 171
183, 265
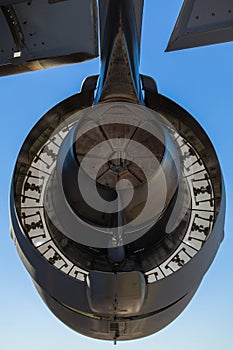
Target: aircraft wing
37, 34
202, 22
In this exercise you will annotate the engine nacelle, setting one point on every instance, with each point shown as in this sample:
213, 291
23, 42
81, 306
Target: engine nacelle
117, 212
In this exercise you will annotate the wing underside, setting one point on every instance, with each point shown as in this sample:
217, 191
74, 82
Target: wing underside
41, 34
202, 22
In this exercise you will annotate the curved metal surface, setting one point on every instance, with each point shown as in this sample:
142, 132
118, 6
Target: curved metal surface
120, 26
66, 292
152, 281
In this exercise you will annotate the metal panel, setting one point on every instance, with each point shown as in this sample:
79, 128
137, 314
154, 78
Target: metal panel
120, 293
40, 34
138, 5
202, 23
7, 44
138, 8
10, 2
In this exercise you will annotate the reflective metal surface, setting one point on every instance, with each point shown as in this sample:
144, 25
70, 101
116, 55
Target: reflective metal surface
41, 34
202, 23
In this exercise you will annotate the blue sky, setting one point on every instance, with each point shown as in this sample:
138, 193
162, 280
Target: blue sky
200, 80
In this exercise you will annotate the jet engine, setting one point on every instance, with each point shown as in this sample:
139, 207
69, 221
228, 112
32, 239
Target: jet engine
117, 199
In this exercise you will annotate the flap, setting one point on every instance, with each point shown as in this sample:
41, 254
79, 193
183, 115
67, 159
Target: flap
40, 34
202, 22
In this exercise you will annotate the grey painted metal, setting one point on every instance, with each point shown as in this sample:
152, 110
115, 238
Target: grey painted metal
120, 28
103, 328
104, 287
138, 10
202, 23
10, 2
7, 42
38, 34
